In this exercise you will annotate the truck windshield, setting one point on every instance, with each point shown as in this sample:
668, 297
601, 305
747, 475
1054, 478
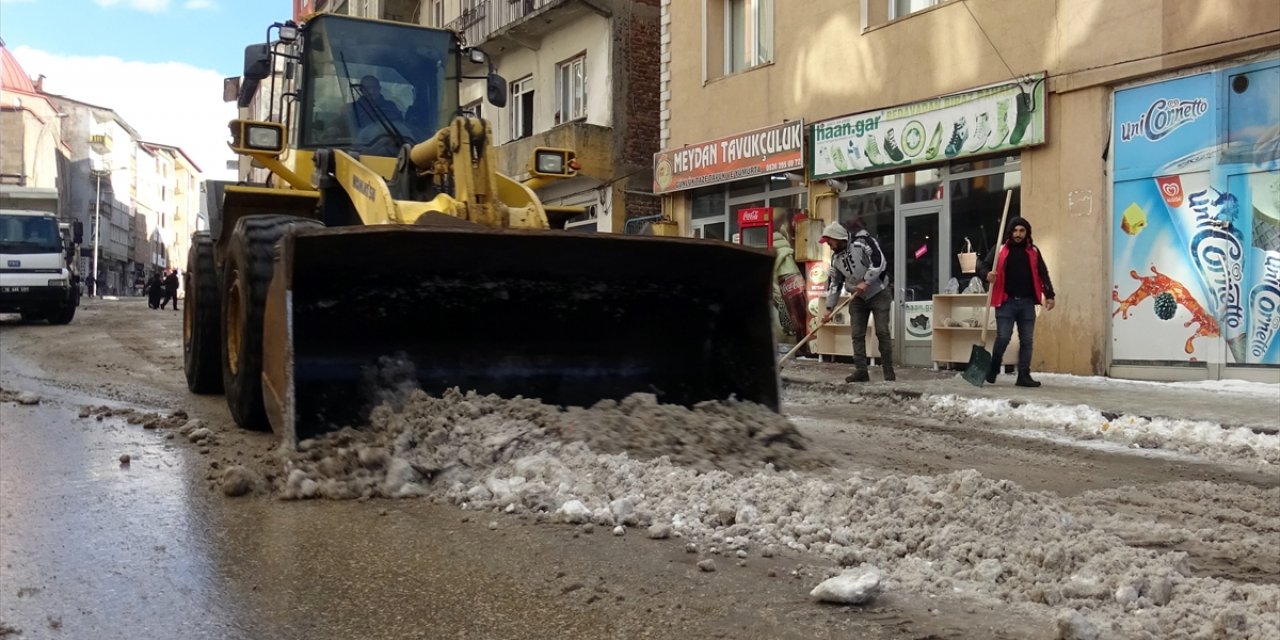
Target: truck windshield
28, 234
368, 86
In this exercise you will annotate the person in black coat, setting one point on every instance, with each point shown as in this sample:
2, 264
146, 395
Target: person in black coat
171, 289
154, 289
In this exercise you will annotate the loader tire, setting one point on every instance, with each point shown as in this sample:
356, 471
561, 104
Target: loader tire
245, 278
201, 330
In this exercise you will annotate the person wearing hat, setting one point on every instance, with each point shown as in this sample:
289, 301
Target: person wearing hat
1019, 281
860, 267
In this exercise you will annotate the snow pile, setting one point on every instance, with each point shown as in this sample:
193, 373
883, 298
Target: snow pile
712, 473
1204, 439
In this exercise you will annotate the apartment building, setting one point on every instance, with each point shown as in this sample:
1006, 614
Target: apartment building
32, 152
581, 75
101, 190
168, 206
1141, 139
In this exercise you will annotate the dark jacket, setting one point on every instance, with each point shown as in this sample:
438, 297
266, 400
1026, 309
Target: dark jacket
171, 283
1038, 273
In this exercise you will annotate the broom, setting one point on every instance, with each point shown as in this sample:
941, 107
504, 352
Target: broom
812, 334
980, 358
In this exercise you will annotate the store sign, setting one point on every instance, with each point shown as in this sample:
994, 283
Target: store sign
754, 153
989, 120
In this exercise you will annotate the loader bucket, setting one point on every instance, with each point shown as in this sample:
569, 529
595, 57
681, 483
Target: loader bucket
570, 318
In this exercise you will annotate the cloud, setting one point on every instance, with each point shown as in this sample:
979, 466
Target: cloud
200, 4
168, 103
150, 6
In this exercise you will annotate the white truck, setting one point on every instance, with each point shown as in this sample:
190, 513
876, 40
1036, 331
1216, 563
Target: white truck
38, 255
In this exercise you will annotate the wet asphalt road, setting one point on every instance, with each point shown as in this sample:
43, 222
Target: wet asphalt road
91, 548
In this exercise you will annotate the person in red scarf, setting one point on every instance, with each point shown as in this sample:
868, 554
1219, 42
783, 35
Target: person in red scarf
1019, 281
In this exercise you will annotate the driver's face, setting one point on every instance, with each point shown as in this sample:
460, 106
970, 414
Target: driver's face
371, 86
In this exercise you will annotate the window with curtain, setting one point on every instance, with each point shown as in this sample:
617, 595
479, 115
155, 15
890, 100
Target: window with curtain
901, 8
748, 34
571, 89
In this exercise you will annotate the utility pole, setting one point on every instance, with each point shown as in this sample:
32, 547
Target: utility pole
97, 226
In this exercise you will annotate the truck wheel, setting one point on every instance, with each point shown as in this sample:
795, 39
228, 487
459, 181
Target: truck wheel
63, 315
245, 279
201, 332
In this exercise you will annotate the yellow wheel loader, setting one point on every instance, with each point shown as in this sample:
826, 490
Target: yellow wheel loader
378, 241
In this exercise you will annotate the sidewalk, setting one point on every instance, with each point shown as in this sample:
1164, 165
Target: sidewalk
1229, 403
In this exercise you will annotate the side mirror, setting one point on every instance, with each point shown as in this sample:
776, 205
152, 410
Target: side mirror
230, 89
257, 62
497, 90
257, 67
77, 232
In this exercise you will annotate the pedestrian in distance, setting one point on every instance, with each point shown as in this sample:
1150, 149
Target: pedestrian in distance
154, 290
90, 283
858, 265
170, 288
1019, 281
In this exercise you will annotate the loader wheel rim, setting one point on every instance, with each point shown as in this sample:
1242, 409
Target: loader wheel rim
234, 325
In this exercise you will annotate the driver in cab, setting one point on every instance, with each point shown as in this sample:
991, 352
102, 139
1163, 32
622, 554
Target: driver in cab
371, 105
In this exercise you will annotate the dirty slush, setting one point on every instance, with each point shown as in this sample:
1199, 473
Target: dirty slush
739, 480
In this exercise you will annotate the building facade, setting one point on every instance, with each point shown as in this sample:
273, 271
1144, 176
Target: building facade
101, 191
32, 153
580, 75
918, 116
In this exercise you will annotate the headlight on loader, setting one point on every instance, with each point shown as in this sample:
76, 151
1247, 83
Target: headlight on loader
249, 136
554, 163
59, 282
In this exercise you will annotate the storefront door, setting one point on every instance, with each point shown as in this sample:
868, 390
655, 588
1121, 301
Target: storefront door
920, 274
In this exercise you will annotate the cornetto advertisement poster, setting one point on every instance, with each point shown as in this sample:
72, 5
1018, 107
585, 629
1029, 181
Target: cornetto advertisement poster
754, 153
1196, 219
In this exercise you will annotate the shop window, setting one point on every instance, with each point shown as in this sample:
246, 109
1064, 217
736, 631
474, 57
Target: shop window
571, 89
739, 35
875, 210
976, 206
522, 108
922, 185
748, 187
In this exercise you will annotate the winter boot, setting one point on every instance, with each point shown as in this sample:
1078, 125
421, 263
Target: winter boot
1024, 379
992, 372
858, 375
889, 375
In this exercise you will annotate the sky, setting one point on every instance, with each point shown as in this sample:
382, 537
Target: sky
158, 63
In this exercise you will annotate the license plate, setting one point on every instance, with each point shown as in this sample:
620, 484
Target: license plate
15, 289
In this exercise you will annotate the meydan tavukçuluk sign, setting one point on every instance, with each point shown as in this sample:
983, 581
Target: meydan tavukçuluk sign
754, 153
987, 120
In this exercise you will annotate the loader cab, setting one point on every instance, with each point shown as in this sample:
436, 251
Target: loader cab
370, 86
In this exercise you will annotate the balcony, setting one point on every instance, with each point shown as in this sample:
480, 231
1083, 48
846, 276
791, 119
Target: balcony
100, 143
520, 23
593, 145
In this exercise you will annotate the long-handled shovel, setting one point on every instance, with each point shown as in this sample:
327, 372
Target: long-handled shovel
812, 334
980, 358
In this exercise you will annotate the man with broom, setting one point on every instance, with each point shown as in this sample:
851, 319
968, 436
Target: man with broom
860, 266
1019, 281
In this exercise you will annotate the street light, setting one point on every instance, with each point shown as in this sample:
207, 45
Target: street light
97, 227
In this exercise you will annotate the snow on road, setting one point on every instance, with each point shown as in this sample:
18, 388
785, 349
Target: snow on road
639, 464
